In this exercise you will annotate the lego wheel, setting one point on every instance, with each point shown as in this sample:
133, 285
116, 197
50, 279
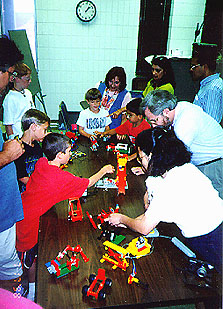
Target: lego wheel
84, 290
101, 295
108, 282
91, 278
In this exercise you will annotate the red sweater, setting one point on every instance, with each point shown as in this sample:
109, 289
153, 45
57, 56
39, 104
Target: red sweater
128, 129
47, 186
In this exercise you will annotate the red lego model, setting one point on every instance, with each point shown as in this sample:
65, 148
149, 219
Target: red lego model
122, 159
97, 285
94, 144
74, 214
72, 263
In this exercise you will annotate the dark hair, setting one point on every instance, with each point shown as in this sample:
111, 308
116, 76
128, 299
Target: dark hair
53, 143
206, 54
167, 150
134, 106
165, 64
33, 116
9, 53
93, 94
120, 73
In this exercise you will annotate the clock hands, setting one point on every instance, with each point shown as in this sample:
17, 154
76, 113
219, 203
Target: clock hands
87, 9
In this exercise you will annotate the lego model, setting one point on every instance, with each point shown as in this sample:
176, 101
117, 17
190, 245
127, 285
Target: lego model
94, 144
97, 285
74, 214
104, 215
120, 180
117, 255
54, 266
118, 258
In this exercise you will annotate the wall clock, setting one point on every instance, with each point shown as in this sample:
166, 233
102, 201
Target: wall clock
86, 10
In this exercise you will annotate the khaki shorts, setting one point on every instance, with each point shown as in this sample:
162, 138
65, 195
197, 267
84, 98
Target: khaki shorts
10, 265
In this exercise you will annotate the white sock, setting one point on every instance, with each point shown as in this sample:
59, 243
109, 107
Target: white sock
31, 294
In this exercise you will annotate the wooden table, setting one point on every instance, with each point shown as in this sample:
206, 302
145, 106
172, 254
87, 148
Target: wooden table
162, 270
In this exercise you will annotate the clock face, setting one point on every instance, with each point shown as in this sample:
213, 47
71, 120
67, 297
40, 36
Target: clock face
86, 10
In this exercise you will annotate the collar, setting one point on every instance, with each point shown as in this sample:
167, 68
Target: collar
209, 79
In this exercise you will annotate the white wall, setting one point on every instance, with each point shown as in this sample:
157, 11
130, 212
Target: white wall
73, 56
184, 16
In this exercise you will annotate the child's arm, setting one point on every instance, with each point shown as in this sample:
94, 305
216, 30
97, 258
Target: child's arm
104, 170
118, 112
108, 131
140, 224
82, 132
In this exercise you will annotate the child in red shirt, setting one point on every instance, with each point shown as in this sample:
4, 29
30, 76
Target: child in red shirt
47, 186
133, 126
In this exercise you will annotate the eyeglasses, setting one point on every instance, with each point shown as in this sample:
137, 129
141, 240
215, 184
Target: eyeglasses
129, 115
194, 66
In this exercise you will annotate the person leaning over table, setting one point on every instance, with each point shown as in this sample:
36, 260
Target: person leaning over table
114, 95
198, 130
177, 192
163, 76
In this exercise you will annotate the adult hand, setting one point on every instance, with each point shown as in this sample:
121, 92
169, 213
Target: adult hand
12, 150
115, 219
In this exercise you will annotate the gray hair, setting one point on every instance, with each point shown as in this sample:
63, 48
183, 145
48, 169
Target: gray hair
158, 100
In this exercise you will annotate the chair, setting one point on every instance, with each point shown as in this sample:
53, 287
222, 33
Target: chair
67, 118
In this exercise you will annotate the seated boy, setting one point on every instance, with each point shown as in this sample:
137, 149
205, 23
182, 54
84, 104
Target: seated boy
48, 185
95, 117
133, 126
34, 125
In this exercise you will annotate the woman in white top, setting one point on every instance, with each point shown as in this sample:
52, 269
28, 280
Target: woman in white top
177, 192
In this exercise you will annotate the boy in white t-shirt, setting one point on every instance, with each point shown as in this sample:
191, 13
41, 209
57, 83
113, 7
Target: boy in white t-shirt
95, 118
17, 101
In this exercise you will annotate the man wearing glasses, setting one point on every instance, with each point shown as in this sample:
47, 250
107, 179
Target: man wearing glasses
198, 130
10, 199
203, 66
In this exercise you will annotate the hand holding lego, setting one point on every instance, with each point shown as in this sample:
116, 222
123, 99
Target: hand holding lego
93, 137
115, 219
108, 169
120, 137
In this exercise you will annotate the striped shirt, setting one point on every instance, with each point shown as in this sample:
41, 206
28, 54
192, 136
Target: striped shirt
210, 95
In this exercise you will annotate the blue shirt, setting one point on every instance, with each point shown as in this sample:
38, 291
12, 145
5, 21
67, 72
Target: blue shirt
209, 97
11, 209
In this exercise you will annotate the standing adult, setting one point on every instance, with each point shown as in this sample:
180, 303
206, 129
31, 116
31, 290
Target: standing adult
10, 199
163, 76
114, 95
198, 130
203, 66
